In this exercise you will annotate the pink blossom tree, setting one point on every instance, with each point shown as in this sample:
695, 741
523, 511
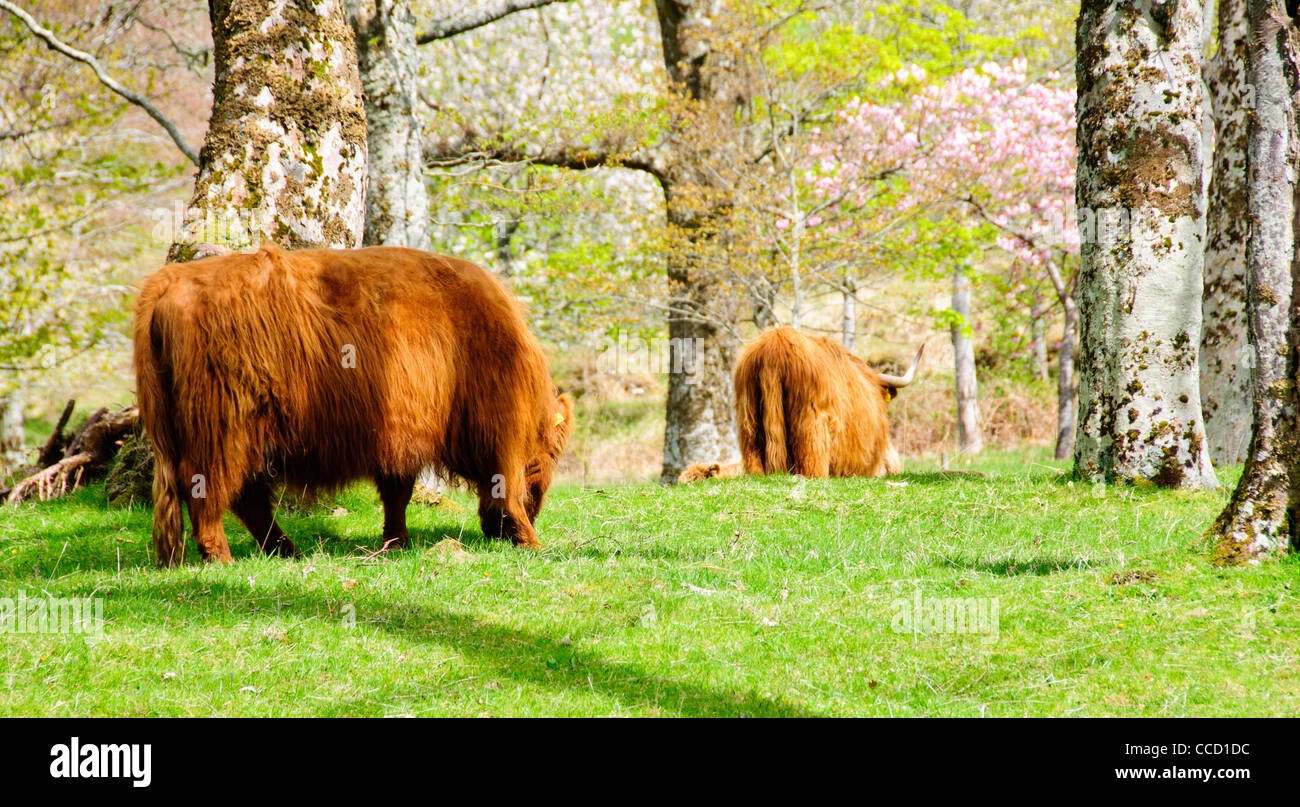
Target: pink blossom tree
988, 150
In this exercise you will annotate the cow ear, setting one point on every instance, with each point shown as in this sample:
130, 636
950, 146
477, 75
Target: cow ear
564, 419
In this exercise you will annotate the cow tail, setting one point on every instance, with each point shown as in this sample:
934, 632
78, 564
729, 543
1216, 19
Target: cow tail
154, 398
773, 394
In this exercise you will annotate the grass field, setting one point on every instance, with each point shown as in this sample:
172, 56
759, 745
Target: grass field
771, 596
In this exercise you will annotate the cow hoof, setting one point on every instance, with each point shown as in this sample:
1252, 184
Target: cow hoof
400, 542
528, 544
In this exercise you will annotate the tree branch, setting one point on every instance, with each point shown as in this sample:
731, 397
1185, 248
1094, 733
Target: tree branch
467, 19
108, 81
561, 155
1063, 291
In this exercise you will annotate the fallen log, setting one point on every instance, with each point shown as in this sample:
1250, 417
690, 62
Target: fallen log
52, 482
88, 454
53, 450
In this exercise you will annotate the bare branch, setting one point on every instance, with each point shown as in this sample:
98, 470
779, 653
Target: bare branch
467, 19
108, 81
561, 155
1063, 291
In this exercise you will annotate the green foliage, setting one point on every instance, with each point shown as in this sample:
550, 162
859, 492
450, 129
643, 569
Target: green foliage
61, 180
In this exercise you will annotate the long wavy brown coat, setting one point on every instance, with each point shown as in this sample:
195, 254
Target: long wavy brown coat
319, 367
806, 405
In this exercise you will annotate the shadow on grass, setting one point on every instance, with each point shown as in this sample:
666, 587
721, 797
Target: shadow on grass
520, 655
95, 547
1016, 568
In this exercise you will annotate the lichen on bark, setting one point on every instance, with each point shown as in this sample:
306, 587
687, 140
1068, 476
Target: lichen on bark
284, 158
1263, 516
1140, 175
1225, 355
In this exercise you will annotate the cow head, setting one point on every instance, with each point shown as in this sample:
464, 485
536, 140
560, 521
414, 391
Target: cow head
555, 431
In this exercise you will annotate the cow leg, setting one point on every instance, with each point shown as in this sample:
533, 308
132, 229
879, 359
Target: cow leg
206, 498
253, 507
395, 492
209, 532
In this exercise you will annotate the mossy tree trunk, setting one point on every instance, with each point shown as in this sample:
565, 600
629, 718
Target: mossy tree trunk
699, 418
1140, 183
1225, 350
397, 202
1264, 514
284, 158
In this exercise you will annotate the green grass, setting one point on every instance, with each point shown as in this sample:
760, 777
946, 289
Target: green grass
755, 597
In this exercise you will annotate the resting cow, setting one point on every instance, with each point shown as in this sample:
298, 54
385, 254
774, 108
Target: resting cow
806, 405
318, 367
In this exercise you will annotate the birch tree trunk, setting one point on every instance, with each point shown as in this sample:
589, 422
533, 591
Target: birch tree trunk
1264, 514
849, 315
284, 158
970, 437
1038, 342
1225, 350
1140, 181
397, 202
13, 444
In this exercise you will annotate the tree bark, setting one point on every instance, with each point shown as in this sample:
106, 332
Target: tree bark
1140, 181
397, 204
1225, 350
1067, 387
970, 436
849, 315
284, 158
13, 444
1038, 342
1263, 516
699, 421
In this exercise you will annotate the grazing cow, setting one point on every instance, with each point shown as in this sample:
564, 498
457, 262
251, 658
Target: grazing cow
318, 367
806, 405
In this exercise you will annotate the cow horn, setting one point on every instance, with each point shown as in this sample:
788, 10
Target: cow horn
897, 381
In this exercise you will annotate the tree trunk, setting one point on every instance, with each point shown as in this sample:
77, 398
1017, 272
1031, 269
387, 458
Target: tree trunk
970, 437
1264, 514
1067, 387
284, 158
849, 316
1140, 181
1038, 343
700, 423
13, 444
1225, 351
397, 205
699, 420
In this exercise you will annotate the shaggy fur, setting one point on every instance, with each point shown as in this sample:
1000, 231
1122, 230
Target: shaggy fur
806, 405
318, 367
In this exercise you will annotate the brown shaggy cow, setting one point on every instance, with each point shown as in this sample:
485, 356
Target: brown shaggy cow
806, 405
318, 367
